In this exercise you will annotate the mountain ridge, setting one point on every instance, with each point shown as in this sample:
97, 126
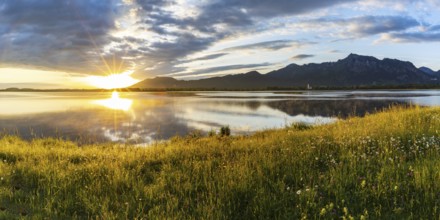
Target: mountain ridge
354, 70
429, 71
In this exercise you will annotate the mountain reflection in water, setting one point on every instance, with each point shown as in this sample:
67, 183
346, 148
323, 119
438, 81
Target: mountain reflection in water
146, 117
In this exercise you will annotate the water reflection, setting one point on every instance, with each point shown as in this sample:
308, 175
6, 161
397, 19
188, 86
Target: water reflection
335, 107
146, 117
115, 102
240, 116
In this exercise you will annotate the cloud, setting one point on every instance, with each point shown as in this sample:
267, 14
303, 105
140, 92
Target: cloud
218, 69
231, 67
365, 25
302, 56
428, 34
412, 37
334, 51
264, 8
53, 34
400, 5
267, 45
434, 28
232, 13
155, 37
210, 57
371, 25
210, 22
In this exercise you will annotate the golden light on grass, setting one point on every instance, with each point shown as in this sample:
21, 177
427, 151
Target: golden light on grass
115, 102
348, 169
112, 81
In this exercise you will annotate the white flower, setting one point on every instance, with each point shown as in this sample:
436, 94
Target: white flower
298, 192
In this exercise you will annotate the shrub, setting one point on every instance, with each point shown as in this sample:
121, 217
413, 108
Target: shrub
300, 126
211, 133
225, 131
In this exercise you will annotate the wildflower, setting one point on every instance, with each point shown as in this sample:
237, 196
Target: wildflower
363, 183
298, 192
330, 206
322, 212
345, 210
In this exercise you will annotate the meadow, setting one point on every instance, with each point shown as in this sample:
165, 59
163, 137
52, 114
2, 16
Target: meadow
385, 165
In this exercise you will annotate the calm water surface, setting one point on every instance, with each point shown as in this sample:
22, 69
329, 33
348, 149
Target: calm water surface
88, 117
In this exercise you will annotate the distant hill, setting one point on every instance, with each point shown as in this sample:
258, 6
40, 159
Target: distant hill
427, 70
430, 72
354, 70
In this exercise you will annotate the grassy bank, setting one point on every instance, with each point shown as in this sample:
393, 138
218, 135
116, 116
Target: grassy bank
385, 165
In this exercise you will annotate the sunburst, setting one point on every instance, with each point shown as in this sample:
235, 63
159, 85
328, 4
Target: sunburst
112, 81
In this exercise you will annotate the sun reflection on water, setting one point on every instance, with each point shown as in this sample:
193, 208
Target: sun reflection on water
115, 102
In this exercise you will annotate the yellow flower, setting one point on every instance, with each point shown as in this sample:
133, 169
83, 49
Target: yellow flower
323, 212
363, 183
345, 211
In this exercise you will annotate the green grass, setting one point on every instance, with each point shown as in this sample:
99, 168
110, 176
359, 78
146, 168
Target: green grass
385, 165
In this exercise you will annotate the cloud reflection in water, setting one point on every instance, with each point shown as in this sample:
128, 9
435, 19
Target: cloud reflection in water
146, 117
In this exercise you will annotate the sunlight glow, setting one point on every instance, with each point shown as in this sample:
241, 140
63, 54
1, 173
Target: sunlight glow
39, 79
112, 81
115, 102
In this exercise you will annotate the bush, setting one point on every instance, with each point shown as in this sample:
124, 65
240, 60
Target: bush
211, 133
225, 131
301, 126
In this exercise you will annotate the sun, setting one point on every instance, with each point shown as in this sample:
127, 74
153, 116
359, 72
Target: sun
112, 81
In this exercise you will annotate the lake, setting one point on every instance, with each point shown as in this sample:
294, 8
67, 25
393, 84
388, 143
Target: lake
139, 118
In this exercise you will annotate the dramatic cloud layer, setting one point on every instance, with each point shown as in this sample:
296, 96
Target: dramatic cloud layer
367, 25
188, 38
63, 35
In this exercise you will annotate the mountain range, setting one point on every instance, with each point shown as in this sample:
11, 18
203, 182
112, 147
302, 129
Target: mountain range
354, 70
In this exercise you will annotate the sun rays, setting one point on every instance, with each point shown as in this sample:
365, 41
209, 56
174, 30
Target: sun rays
112, 81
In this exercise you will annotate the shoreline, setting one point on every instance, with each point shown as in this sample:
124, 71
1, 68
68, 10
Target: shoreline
296, 89
347, 169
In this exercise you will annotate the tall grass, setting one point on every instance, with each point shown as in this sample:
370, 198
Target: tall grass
385, 166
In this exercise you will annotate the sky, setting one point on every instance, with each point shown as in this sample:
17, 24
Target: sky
97, 43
